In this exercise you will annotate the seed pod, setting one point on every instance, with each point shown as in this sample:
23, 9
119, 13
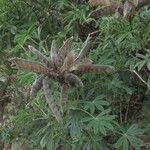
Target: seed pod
36, 86
73, 80
78, 62
129, 9
50, 100
29, 65
63, 51
92, 68
103, 2
64, 96
53, 53
68, 61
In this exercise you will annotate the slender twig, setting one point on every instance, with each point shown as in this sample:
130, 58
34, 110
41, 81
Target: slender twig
141, 78
126, 115
84, 112
120, 113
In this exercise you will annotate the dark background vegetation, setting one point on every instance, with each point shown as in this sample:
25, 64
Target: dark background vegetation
111, 112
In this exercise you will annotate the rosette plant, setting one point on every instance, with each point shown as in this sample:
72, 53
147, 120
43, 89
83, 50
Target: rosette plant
63, 66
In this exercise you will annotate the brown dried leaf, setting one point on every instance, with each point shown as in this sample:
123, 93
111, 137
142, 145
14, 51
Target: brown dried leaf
63, 51
127, 7
36, 86
68, 61
135, 2
64, 96
29, 65
53, 52
50, 100
73, 80
92, 68
79, 62
103, 2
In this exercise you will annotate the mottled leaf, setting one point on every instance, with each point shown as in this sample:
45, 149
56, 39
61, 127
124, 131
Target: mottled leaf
73, 80
53, 52
92, 68
68, 61
63, 51
50, 100
29, 65
36, 86
64, 96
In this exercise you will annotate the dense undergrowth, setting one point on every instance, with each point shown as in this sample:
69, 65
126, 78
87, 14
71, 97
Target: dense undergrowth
110, 112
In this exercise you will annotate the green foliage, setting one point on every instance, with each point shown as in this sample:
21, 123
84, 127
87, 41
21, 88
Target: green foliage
130, 137
101, 123
98, 103
94, 113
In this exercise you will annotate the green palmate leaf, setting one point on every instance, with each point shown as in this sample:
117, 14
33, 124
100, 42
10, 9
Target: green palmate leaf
102, 128
102, 123
144, 60
125, 144
98, 103
75, 128
94, 124
135, 142
134, 130
87, 119
109, 125
141, 64
119, 143
90, 106
130, 137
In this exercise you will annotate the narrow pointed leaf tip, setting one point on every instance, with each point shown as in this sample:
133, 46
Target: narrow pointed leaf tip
39, 55
53, 46
109, 69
